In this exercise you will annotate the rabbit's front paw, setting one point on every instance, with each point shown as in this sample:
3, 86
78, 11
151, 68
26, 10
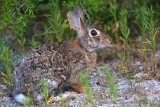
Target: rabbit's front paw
63, 97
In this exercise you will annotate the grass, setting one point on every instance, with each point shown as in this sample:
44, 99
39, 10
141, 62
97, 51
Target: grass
123, 65
57, 24
110, 84
5, 58
144, 101
153, 33
146, 22
152, 104
6, 62
28, 102
147, 46
15, 16
113, 10
124, 29
44, 90
84, 80
141, 20
34, 43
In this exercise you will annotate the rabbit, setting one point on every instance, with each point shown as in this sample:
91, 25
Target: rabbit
59, 64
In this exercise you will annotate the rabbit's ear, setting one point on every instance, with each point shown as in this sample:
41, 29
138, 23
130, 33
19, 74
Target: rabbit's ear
74, 20
79, 10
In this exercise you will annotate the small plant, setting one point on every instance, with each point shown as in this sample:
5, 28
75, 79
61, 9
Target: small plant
113, 9
28, 102
5, 57
57, 24
89, 6
146, 22
152, 104
153, 33
110, 84
141, 20
144, 101
123, 66
6, 11
33, 42
144, 52
125, 30
15, 16
84, 80
44, 89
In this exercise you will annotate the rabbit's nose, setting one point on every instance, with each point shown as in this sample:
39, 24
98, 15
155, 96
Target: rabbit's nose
107, 39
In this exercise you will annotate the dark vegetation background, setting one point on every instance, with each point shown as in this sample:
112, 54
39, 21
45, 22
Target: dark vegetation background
27, 23
24, 24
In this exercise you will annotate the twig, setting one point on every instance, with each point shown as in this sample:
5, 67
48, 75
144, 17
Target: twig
85, 12
14, 12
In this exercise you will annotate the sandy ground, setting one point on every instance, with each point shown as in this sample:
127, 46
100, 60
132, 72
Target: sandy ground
135, 92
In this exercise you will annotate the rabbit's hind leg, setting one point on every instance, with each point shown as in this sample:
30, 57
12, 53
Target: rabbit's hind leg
78, 87
68, 95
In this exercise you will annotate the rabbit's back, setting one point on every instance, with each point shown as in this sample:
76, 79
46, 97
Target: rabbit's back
60, 62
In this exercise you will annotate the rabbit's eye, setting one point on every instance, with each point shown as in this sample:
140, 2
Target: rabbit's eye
93, 32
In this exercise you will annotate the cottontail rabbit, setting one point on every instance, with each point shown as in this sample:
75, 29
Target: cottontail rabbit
59, 63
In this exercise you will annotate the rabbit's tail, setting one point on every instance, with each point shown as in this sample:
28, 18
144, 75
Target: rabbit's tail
20, 98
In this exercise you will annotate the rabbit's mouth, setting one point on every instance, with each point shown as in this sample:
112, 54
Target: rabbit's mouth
93, 47
106, 45
102, 46
99, 47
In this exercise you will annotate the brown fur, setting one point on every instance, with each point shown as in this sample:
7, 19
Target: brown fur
60, 63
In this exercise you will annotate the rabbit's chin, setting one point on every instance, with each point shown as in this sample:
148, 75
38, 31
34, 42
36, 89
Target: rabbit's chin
99, 47
102, 46
106, 45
